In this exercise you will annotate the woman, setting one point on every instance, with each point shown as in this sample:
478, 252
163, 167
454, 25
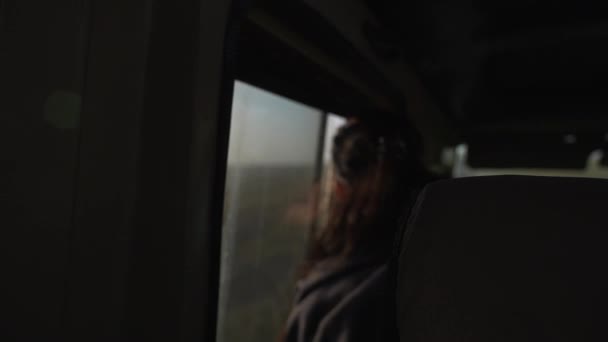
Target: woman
345, 292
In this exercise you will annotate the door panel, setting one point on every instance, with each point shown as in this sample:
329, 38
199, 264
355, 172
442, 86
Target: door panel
42, 50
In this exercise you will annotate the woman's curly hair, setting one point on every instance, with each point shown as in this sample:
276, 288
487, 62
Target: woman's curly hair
381, 171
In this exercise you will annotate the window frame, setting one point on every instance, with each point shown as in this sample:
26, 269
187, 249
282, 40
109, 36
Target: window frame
144, 248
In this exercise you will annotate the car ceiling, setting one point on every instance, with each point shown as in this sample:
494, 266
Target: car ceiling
514, 77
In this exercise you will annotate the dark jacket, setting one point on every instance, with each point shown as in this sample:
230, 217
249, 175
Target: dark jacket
344, 302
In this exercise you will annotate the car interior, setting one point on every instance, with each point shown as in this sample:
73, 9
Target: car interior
157, 158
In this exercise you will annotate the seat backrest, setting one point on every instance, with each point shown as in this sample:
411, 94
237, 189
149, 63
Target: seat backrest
506, 259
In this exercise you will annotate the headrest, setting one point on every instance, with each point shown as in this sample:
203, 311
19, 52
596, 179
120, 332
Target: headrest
506, 259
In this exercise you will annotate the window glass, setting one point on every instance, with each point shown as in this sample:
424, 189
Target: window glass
333, 124
458, 158
272, 159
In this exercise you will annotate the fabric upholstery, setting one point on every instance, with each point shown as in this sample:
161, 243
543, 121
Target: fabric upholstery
506, 259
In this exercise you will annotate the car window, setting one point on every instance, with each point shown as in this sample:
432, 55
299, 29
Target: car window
273, 165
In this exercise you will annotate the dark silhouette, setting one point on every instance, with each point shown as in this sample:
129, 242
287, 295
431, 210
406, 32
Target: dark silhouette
345, 292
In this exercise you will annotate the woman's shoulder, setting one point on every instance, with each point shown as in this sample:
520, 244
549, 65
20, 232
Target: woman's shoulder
337, 297
335, 277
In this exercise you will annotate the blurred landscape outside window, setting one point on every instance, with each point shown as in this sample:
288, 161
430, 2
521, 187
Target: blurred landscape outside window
273, 166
